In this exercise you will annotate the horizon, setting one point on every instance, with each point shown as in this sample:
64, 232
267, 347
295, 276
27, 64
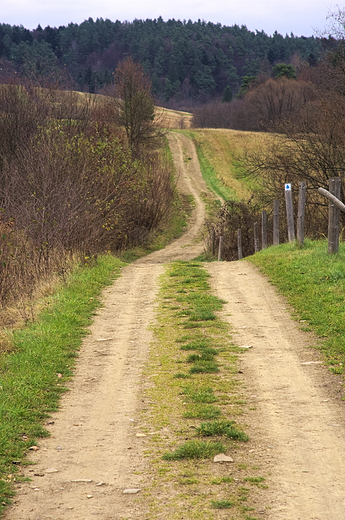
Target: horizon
270, 16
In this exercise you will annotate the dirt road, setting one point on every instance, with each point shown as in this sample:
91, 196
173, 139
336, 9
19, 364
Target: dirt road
296, 417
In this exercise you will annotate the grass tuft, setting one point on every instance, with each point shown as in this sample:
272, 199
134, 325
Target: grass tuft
222, 504
205, 367
203, 412
195, 449
222, 427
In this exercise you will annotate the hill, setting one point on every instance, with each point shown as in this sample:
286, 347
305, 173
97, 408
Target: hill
187, 61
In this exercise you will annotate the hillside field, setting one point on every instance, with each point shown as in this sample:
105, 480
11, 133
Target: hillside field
224, 151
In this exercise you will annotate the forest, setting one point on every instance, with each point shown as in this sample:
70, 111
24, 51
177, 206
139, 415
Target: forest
189, 63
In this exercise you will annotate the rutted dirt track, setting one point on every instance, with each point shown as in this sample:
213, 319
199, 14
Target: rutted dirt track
298, 424
299, 419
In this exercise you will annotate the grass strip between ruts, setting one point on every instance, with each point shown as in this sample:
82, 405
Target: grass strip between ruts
32, 376
193, 401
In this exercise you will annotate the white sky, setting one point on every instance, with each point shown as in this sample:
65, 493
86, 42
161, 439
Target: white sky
302, 17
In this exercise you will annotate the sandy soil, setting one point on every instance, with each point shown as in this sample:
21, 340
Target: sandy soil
95, 451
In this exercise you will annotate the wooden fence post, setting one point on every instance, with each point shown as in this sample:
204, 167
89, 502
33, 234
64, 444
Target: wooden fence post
334, 216
220, 248
213, 241
239, 244
256, 237
276, 222
301, 212
289, 213
263, 229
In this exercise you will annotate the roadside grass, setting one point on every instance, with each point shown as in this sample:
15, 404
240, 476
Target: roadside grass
34, 374
184, 477
314, 284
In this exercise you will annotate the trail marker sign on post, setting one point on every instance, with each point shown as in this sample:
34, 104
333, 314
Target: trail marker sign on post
289, 212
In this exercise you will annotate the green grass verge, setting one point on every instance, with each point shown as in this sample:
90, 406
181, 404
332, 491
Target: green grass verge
33, 375
210, 176
314, 284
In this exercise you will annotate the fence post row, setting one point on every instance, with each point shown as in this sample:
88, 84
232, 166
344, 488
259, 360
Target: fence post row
289, 213
335, 206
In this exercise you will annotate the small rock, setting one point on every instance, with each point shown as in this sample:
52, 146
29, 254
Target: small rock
141, 435
312, 363
221, 457
104, 339
51, 470
89, 496
245, 346
101, 483
131, 491
34, 448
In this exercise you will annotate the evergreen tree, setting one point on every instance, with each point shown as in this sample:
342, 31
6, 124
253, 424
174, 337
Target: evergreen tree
227, 94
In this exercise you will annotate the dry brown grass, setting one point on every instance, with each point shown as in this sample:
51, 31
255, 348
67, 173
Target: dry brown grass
173, 119
165, 117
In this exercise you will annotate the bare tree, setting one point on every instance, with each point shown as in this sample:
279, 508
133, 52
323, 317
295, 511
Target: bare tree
135, 104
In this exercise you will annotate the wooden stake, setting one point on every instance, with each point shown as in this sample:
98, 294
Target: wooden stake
276, 222
213, 241
301, 212
220, 248
256, 237
263, 229
239, 244
334, 216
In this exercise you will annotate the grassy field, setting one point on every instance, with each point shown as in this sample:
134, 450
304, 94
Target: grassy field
222, 151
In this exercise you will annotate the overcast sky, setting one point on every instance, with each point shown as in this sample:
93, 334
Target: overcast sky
301, 17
